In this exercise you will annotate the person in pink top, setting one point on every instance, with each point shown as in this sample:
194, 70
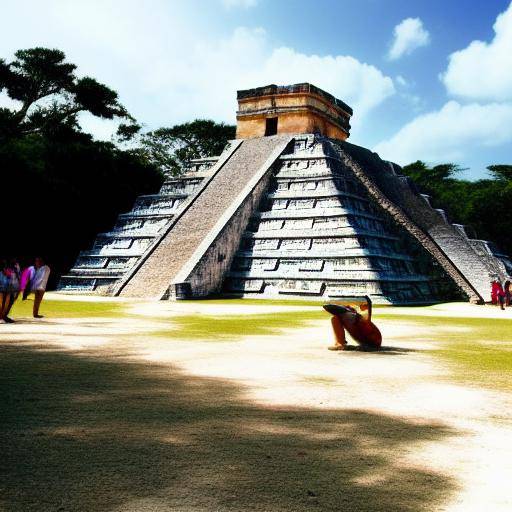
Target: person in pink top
26, 281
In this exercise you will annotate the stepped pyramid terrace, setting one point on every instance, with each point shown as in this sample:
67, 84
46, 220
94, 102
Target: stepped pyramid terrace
289, 209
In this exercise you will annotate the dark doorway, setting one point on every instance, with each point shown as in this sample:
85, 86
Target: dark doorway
271, 126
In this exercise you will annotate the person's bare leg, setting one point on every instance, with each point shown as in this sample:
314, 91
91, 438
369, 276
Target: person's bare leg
340, 341
12, 297
38, 297
6, 305
2, 298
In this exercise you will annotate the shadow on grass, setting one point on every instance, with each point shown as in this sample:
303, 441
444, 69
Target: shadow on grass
90, 433
384, 350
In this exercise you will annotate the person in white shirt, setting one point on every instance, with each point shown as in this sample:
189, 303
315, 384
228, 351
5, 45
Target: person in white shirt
39, 282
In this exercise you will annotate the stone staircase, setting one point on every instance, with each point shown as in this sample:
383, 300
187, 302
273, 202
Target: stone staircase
116, 252
189, 236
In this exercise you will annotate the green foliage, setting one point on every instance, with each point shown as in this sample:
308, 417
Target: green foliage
49, 94
501, 172
59, 186
423, 175
170, 148
126, 132
484, 205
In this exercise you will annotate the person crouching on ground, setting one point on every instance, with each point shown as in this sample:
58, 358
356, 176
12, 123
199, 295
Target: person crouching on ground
363, 330
39, 283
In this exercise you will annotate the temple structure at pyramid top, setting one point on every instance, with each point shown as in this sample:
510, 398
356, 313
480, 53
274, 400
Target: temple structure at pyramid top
289, 208
291, 109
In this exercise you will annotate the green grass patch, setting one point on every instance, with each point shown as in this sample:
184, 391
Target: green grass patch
68, 309
273, 302
206, 327
258, 302
478, 351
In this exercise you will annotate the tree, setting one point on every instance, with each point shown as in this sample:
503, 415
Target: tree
50, 94
170, 148
64, 189
430, 177
501, 172
484, 205
61, 186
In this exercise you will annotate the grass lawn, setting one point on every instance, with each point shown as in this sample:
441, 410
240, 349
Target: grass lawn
63, 308
107, 427
478, 351
214, 328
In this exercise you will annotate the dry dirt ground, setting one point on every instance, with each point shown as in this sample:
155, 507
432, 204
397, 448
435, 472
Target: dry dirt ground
127, 412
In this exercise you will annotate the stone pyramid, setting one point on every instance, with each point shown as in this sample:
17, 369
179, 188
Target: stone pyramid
289, 209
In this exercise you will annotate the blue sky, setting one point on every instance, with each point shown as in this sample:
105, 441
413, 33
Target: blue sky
427, 80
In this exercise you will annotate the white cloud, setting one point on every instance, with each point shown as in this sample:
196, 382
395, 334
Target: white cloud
245, 60
445, 135
205, 82
166, 73
406, 92
6, 102
239, 3
361, 85
409, 34
480, 72
103, 129
483, 71
401, 81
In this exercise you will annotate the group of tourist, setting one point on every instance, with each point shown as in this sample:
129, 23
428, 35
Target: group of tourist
501, 295
15, 281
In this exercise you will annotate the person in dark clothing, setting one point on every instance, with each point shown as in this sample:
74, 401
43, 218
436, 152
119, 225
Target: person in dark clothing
508, 292
11, 289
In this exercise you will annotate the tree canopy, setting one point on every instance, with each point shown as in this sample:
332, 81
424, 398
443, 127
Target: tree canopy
484, 205
49, 94
501, 172
60, 187
170, 148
